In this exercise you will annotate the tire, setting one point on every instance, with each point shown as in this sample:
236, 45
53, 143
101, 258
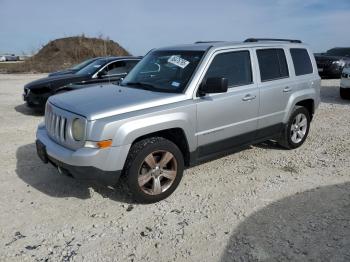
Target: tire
295, 134
344, 93
150, 180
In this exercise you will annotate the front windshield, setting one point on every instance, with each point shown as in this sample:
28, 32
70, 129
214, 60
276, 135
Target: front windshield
164, 71
83, 64
92, 67
339, 52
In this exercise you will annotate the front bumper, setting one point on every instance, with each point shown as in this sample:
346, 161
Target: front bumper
34, 100
85, 163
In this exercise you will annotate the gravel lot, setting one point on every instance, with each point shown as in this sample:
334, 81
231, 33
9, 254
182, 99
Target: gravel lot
260, 204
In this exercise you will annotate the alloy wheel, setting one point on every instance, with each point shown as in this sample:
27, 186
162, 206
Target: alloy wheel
157, 172
298, 128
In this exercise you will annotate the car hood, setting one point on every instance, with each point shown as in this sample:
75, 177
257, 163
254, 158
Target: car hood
62, 72
55, 81
346, 70
102, 101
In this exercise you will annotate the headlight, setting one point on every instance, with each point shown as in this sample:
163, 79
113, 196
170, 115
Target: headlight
78, 129
340, 63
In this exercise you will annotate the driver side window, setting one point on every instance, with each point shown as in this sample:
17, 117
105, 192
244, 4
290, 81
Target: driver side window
235, 66
116, 68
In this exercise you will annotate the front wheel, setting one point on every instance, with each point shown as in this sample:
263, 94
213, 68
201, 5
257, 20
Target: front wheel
344, 93
297, 128
153, 169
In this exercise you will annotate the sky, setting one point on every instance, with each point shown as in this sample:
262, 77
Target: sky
27, 25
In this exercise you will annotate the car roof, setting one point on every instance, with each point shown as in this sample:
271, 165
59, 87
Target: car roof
205, 45
112, 58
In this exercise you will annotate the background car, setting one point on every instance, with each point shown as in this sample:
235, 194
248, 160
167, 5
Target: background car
75, 68
345, 83
101, 70
331, 63
12, 57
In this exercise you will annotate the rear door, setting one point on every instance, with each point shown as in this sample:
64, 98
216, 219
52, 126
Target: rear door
275, 86
228, 119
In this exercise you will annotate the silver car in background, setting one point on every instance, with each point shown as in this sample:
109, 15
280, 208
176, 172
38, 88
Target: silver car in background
12, 57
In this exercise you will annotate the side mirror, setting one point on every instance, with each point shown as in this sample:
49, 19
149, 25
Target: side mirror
214, 85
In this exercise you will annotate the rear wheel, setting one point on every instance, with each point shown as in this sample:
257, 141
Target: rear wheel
154, 169
297, 128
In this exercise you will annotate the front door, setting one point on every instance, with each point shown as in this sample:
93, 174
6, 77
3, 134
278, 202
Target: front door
227, 120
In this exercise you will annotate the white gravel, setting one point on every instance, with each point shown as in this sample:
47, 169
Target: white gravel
260, 204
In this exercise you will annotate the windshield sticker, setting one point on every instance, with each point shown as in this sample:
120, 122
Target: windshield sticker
176, 84
178, 61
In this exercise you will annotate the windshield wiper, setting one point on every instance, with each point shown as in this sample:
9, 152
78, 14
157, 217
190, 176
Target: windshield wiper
142, 85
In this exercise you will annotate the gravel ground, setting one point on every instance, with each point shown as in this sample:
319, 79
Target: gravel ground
260, 204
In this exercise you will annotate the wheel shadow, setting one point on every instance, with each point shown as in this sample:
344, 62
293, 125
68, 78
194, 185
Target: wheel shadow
270, 144
330, 95
25, 110
310, 226
46, 179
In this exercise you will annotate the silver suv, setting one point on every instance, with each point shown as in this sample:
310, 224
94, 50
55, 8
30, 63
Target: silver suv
180, 106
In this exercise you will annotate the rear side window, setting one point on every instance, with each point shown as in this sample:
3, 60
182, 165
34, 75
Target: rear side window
301, 61
272, 64
235, 66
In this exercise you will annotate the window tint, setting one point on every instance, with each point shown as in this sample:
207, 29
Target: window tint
272, 64
116, 68
234, 66
301, 61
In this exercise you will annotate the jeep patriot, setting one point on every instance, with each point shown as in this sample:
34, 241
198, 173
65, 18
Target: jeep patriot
178, 107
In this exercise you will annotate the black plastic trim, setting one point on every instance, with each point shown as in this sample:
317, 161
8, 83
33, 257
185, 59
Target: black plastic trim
252, 40
234, 144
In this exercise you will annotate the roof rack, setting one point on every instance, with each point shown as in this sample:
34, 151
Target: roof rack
251, 40
208, 42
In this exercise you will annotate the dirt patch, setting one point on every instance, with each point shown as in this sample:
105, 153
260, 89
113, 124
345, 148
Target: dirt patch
64, 52
263, 203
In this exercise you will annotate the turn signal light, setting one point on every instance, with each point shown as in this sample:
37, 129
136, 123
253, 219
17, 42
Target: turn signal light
104, 143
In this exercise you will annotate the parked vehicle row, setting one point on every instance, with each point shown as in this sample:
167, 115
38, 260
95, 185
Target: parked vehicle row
178, 107
93, 71
332, 63
12, 57
345, 83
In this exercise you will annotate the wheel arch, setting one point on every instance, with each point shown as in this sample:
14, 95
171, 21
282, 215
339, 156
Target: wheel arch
303, 98
175, 135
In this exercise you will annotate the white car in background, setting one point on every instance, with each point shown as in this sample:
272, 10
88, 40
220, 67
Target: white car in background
345, 83
12, 57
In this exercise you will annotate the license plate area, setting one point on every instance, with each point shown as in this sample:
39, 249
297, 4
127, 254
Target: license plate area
41, 151
320, 69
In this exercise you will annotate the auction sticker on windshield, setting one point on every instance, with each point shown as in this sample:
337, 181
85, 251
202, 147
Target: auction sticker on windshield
178, 61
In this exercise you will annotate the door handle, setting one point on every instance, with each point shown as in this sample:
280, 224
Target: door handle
287, 89
248, 97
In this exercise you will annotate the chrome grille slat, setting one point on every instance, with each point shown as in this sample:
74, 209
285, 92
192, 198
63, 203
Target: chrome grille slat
52, 123
62, 125
57, 119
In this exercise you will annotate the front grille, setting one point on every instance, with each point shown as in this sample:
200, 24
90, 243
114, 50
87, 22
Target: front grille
56, 126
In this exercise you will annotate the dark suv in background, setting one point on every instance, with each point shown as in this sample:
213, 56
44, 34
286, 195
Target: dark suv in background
331, 63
